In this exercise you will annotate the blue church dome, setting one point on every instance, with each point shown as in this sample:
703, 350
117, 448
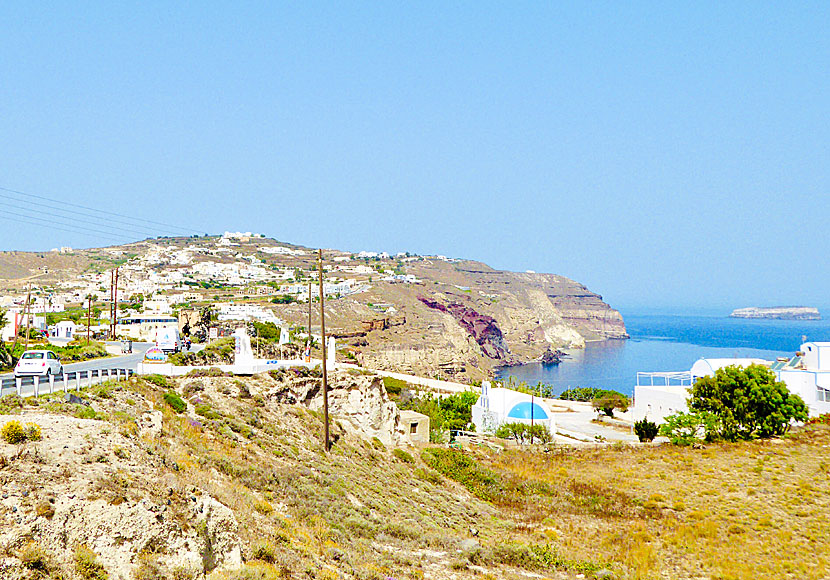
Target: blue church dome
522, 411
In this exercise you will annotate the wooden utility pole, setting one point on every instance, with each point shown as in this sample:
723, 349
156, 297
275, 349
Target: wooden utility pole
112, 305
323, 346
115, 305
28, 310
308, 340
88, 316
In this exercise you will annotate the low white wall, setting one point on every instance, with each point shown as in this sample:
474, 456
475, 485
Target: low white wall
657, 403
258, 366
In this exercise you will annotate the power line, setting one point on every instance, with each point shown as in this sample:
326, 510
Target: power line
23, 193
52, 208
54, 227
101, 222
71, 225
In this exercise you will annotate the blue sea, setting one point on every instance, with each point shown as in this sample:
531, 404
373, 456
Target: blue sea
669, 343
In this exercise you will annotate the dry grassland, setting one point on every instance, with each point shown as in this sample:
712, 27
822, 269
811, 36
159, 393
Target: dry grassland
732, 511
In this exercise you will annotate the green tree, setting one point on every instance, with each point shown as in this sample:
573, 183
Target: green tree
608, 401
749, 402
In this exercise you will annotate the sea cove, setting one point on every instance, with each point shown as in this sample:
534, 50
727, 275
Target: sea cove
669, 343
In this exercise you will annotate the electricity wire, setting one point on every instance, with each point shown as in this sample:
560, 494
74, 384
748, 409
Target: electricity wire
52, 209
71, 231
166, 225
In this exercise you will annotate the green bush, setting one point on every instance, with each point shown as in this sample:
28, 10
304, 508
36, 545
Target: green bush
749, 402
450, 413
264, 551
645, 430
13, 433
524, 433
87, 564
462, 468
584, 394
404, 456
394, 386
175, 401
158, 380
690, 428
33, 432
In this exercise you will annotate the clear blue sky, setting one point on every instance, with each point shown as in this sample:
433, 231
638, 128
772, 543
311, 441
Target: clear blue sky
669, 155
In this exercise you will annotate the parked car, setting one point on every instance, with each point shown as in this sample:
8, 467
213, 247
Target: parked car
38, 362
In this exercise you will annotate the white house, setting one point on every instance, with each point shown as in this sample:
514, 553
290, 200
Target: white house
64, 329
808, 375
658, 395
498, 406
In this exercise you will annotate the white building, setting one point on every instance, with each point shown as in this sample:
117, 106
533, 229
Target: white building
808, 375
658, 395
64, 329
498, 406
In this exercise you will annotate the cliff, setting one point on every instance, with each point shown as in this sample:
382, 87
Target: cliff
424, 315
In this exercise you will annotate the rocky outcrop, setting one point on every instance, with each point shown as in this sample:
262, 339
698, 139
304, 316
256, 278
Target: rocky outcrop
778, 313
359, 403
481, 327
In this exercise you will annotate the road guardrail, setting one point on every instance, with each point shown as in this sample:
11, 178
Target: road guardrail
35, 386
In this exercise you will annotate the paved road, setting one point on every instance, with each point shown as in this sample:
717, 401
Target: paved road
128, 361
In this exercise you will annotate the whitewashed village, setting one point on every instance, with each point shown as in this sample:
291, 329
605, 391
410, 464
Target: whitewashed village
159, 292
211, 359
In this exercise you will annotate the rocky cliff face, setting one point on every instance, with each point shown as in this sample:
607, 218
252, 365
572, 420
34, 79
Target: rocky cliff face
465, 319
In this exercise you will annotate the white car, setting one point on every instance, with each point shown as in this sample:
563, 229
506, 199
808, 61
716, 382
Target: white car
38, 362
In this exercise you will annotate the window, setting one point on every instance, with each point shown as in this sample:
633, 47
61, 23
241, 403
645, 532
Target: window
823, 395
413, 427
31, 355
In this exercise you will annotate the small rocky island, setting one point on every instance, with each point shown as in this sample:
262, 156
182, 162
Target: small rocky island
778, 313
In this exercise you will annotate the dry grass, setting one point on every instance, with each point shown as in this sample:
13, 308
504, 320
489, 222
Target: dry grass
670, 512
749, 510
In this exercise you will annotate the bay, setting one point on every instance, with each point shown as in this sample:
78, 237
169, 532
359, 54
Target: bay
669, 343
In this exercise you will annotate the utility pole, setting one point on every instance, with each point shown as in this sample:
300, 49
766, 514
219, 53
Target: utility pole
88, 316
115, 304
323, 346
308, 340
112, 304
28, 310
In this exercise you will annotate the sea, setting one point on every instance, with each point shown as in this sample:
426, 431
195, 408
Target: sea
662, 342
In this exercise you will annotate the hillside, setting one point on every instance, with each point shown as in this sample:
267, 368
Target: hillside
238, 486
429, 315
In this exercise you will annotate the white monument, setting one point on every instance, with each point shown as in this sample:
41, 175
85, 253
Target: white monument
243, 355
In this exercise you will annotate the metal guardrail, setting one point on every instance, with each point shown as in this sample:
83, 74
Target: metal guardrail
35, 386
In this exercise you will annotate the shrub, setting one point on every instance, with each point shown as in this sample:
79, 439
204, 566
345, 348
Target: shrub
13, 433
158, 380
87, 564
748, 402
394, 386
645, 430
463, 469
33, 432
175, 401
208, 372
524, 433
609, 401
263, 507
404, 456
33, 557
264, 551
45, 509
689, 428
